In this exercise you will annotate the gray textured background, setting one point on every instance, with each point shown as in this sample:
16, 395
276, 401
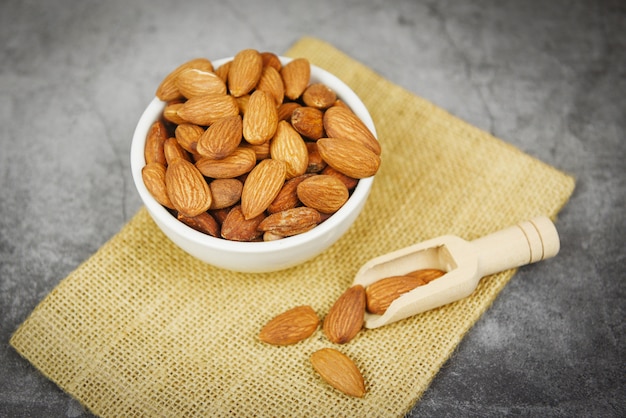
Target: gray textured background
546, 76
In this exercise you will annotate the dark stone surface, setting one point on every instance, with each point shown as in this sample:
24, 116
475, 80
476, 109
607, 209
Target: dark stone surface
547, 77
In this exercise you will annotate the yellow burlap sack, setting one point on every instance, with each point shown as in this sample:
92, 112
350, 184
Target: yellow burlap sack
142, 329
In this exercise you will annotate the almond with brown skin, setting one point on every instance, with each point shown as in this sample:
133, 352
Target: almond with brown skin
427, 275
153, 150
345, 318
290, 327
170, 113
272, 83
262, 186
195, 82
260, 119
287, 198
239, 162
174, 151
236, 227
206, 109
342, 123
339, 371
244, 72
288, 146
225, 192
381, 294
153, 175
296, 75
186, 188
326, 194
203, 222
270, 59
350, 182
221, 138
308, 121
242, 103
316, 162
291, 222
286, 109
220, 214
343, 104
319, 95
187, 135
349, 157
222, 71
262, 151
168, 90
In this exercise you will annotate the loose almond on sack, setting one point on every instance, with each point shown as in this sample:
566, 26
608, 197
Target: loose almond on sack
342, 323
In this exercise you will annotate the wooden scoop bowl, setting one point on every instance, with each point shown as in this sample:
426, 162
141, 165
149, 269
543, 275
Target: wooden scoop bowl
464, 262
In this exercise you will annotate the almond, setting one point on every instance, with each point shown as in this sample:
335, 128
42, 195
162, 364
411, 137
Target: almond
342, 123
296, 75
287, 198
270, 59
288, 146
339, 371
237, 228
262, 186
153, 175
221, 138
350, 182
186, 188
260, 119
225, 192
195, 82
220, 214
239, 162
290, 327
153, 150
291, 222
286, 109
170, 113
242, 103
327, 194
348, 157
244, 72
427, 275
316, 162
205, 110
382, 293
308, 121
341, 103
345, 318
222, 71
203, 222
168, 90
262, 151
187, 135
319, 95
272, 83
174, 151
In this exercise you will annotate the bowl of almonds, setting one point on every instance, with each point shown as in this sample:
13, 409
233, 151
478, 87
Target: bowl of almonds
254, 162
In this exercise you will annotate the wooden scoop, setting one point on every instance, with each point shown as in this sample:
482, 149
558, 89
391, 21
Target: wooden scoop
465, 263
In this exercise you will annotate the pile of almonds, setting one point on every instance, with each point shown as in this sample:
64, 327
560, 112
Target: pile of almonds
252, 150
342, 323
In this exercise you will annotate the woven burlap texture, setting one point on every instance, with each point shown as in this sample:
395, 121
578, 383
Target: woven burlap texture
143, 329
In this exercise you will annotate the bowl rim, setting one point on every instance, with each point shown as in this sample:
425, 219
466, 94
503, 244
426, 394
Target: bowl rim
356, 199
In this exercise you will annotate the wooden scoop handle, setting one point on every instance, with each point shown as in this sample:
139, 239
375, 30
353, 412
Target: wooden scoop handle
525, 243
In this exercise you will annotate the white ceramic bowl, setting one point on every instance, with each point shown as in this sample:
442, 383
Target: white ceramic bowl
254, 257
